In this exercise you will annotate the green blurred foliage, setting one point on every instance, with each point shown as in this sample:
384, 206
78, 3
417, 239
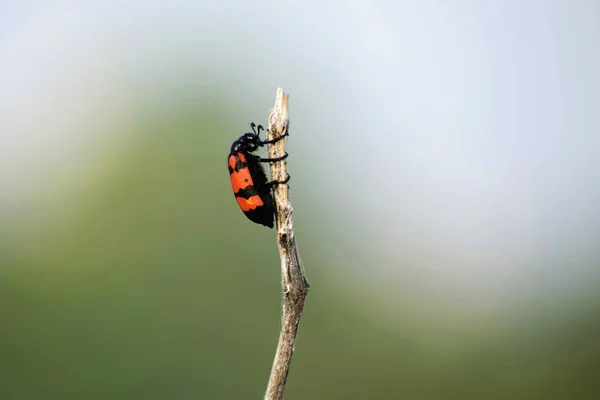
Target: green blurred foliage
149, 283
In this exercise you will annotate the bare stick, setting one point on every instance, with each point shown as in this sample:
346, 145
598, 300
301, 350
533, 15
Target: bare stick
294, 283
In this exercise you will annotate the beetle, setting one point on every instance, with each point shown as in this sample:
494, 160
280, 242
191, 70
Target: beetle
248, 179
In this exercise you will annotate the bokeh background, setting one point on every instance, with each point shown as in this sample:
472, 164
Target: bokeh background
445, 179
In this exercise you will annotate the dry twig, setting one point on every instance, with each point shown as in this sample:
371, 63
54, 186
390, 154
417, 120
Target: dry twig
294, 283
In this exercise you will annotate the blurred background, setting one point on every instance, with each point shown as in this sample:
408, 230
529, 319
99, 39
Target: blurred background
445, 181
